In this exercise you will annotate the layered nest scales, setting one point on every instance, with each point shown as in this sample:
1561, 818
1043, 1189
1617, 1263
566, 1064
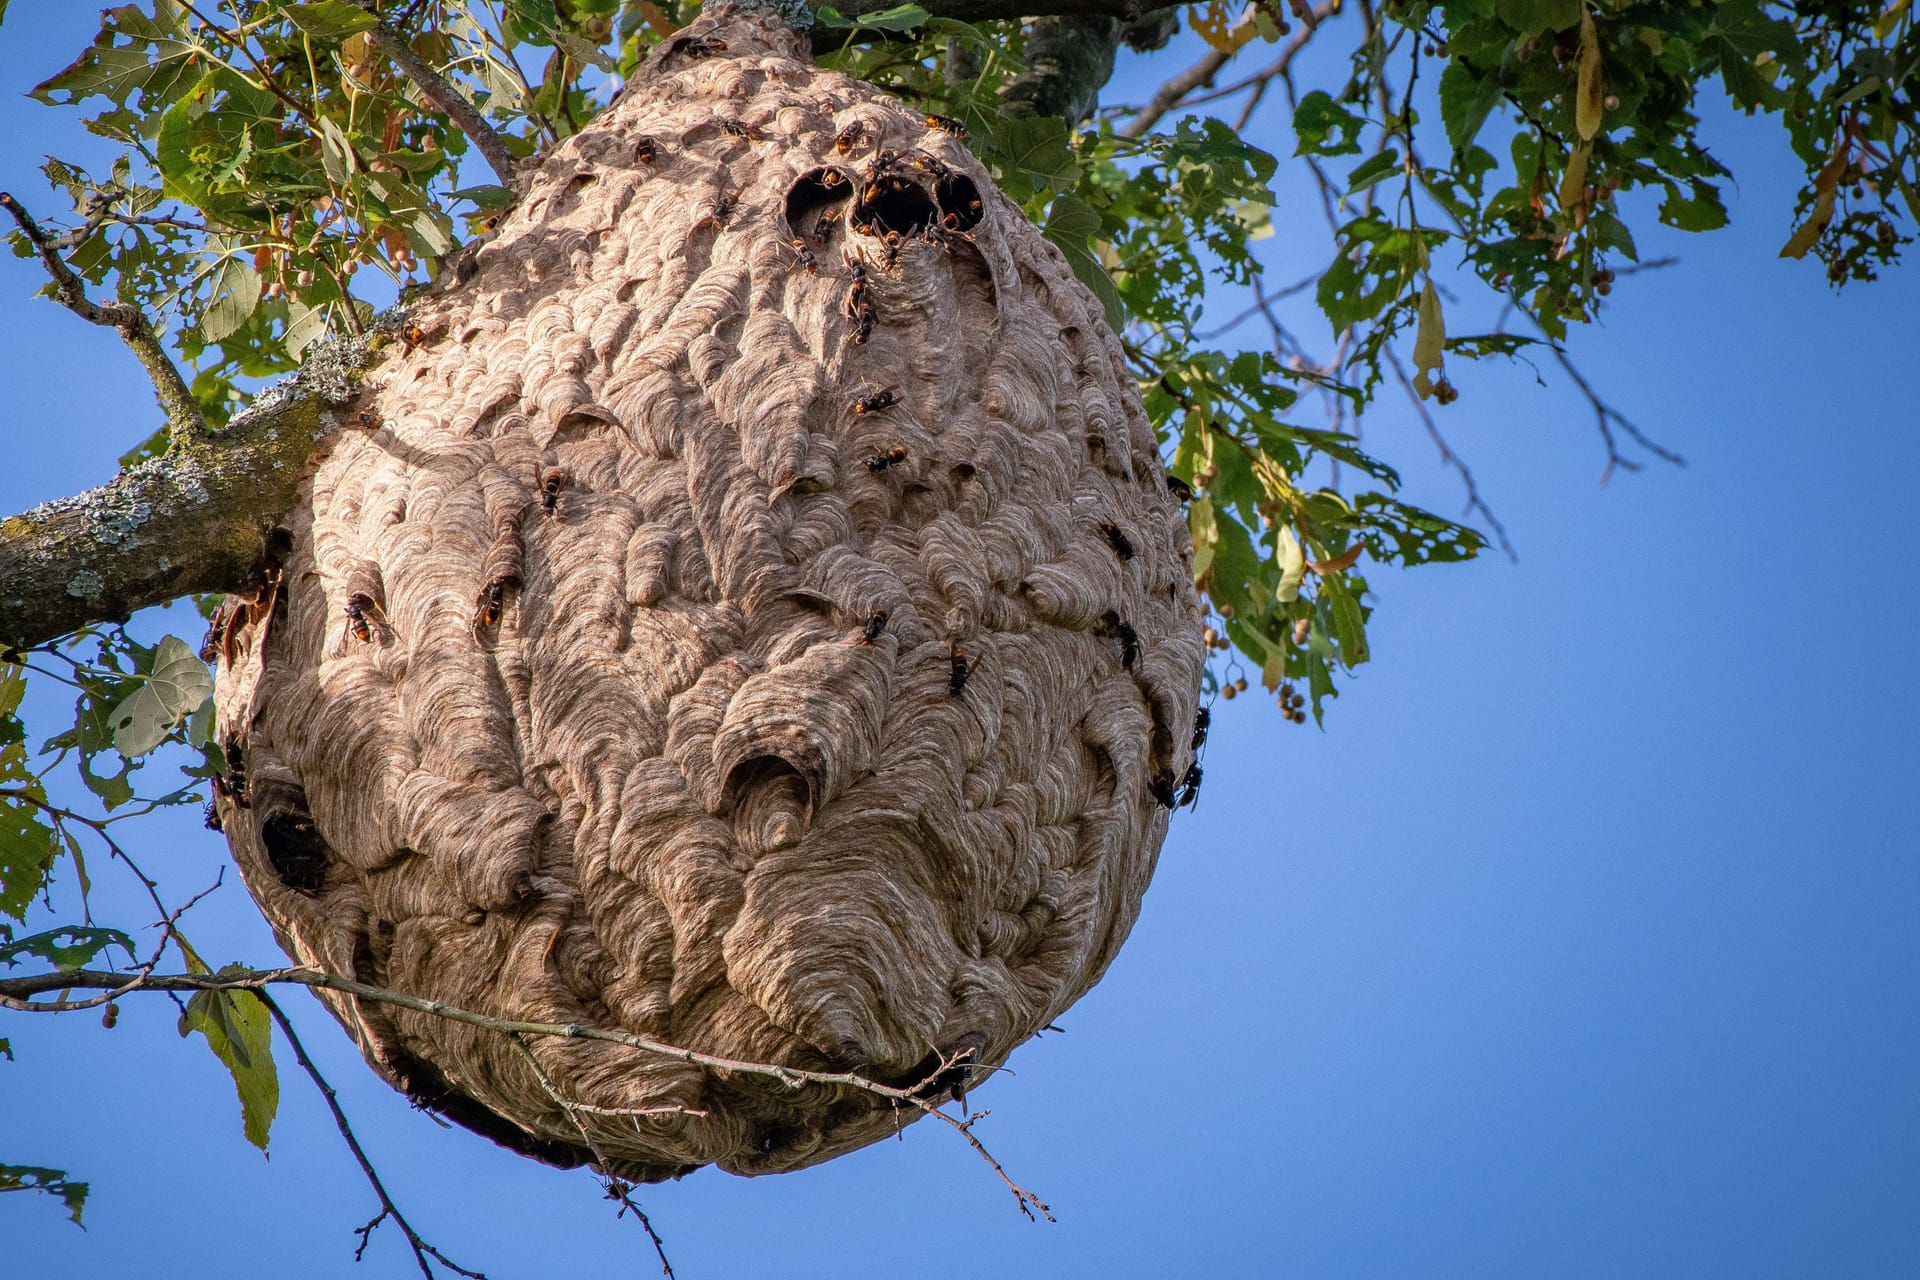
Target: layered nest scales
750, 613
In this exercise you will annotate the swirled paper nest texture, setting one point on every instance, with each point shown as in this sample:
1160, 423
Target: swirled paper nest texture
638, 664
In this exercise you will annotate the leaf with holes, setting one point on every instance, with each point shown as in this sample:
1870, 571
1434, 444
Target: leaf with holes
177, 687
52, 1182
68, 947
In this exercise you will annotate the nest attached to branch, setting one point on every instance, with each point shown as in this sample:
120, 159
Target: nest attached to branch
747, 611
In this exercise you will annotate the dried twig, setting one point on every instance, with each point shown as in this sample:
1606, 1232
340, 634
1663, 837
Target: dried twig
1475, 503
617, 1189
184, 419
422, 1250
17, 993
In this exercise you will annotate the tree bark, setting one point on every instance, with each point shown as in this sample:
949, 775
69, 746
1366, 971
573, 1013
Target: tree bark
196, 519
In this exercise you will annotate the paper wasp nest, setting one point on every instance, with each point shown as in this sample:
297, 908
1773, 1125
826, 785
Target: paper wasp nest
729, 622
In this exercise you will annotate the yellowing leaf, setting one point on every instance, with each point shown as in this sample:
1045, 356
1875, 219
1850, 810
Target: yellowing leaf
1825, 184
237, 1028
1430, 339
1573, 186
1890, 18
1590, 102
1214, 23
1293, 565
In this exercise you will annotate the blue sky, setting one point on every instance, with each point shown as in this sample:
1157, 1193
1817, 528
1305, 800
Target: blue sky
1581, 943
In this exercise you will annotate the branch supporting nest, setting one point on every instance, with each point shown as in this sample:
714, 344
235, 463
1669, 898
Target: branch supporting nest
196, 519
184, 419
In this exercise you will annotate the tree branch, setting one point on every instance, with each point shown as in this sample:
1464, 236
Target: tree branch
1200, 75
1127, 11
1069, 60
442, 93
196, 519
184, 419
617, 1189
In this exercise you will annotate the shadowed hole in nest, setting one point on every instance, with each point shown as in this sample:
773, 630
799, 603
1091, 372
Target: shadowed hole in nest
960, 206
893, 203
296, 849
813, 190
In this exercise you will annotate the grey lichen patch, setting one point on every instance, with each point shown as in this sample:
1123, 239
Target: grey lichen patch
331, 371
189, 479
118, 517
85, 585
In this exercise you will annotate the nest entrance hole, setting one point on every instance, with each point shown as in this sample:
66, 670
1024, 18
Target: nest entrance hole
812, 192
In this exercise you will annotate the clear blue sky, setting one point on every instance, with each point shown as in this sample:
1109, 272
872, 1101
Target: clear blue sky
1582, 943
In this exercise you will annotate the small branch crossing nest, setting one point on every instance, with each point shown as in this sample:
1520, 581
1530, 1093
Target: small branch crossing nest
747, 610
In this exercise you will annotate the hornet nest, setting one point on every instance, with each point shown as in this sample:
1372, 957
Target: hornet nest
750, 614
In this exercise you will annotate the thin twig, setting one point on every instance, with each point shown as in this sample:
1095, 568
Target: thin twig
17, 993
422, 1250
184, 419
1475, 503
1174, 92
271, 85
1169, 95
616, 1188
1605, 416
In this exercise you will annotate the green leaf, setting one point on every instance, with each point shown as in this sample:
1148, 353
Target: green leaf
178, 685
1467, 98
27, 850
903, 17
1325, 128
1345, 619
13, 687
236, 293
331, 19
68, 947
1373, 169
1205, 531
1038, 146
1071, 226
240, 1032
1702, 211
1531, 17
53, 1182
304, 325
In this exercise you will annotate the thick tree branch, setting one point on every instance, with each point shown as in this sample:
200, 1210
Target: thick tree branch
184, 418
1127, 11
1069, 60
196, 519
